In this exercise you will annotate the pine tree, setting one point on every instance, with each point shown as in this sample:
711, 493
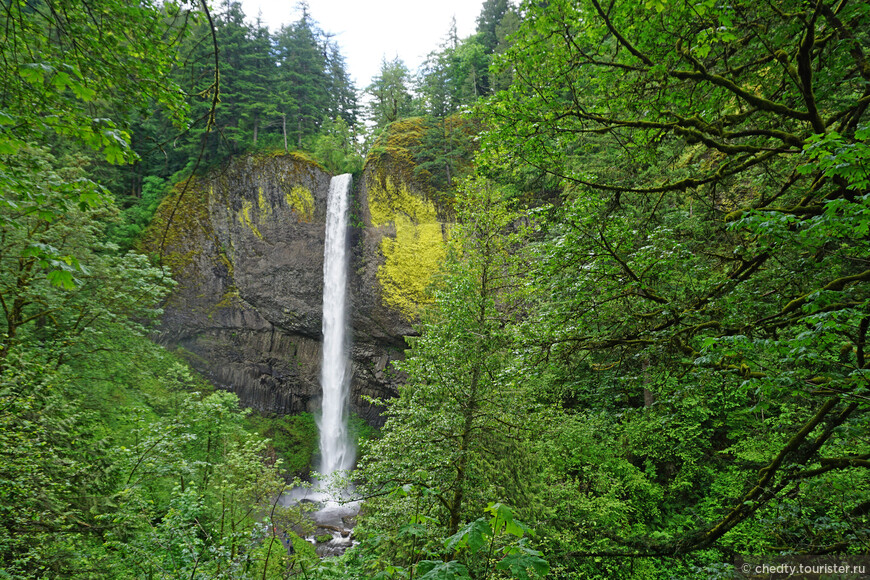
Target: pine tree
303, 82
391, 93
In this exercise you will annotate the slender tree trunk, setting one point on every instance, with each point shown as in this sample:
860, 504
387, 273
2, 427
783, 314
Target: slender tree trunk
462, 464
284, 130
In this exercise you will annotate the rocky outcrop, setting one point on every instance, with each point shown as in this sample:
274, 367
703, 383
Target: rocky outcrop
405, 228
245, 245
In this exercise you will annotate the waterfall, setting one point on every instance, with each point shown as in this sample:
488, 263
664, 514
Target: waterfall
336, 451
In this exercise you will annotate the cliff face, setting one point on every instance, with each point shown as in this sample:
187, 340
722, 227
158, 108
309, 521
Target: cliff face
246, 247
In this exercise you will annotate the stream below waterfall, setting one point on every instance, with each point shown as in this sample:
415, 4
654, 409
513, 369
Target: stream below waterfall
333, 518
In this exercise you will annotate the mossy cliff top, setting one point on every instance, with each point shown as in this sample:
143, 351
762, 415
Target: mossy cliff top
250, 191
407, 220
393, 169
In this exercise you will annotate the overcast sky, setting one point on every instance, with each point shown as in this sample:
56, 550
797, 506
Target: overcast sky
368, 30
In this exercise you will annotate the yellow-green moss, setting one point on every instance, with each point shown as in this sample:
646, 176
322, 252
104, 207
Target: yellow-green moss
301, 156
399, 141
412, 258
245, 218
265, 206
416, 253
388, 201
231, 298
400, 193
302, 202
187, 221
225, 260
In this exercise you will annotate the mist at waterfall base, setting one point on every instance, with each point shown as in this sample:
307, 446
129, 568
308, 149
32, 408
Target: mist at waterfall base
337, 451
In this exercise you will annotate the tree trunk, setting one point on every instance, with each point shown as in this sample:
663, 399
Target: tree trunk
462, 464
284, 130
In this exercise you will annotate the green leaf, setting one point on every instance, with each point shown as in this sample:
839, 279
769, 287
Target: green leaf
519, 564
34, 72
474, 535
62, 279
90, 198
503, 520
10, 145
438, 570
412, 531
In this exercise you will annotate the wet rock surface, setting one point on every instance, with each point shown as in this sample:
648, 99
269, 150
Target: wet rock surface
333, 518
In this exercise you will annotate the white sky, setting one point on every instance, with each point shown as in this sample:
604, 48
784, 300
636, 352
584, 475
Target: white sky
368, 30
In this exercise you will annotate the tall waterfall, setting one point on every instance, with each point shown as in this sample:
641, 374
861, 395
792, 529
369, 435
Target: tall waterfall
336, 450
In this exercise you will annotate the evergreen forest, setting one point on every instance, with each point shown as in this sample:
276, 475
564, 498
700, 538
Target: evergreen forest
644, 355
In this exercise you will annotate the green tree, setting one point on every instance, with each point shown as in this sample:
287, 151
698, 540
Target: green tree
302, 76
337, 148
390, 92
247, 76
702, 294
445, 153
437, 82
491, 14
457, 434
342, 92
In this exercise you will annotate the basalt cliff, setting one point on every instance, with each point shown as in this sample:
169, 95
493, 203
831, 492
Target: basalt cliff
245, 245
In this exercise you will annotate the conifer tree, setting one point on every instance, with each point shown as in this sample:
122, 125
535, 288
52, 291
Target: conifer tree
390, 91
303, 81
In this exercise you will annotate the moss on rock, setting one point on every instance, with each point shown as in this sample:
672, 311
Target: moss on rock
176, 222
411, 259
244, 217
400, 197
302, 201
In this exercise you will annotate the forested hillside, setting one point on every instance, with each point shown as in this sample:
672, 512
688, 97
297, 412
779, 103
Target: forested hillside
644, 354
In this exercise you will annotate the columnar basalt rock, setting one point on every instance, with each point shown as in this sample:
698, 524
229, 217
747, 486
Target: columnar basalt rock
245, 245
246, 248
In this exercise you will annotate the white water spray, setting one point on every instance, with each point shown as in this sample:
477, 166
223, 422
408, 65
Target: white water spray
336, 451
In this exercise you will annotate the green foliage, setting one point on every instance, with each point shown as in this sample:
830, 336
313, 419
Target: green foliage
390, 92
137, 217
480, 536
457, 75
359, 430
337, 148
195, 486
292, 437
493, 542
459, 431
697, 298
55, 471
49, 87
444, 154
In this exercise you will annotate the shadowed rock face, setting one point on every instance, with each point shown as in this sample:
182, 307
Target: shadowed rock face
246, 248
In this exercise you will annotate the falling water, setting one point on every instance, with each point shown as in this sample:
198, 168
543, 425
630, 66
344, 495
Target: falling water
336, 452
